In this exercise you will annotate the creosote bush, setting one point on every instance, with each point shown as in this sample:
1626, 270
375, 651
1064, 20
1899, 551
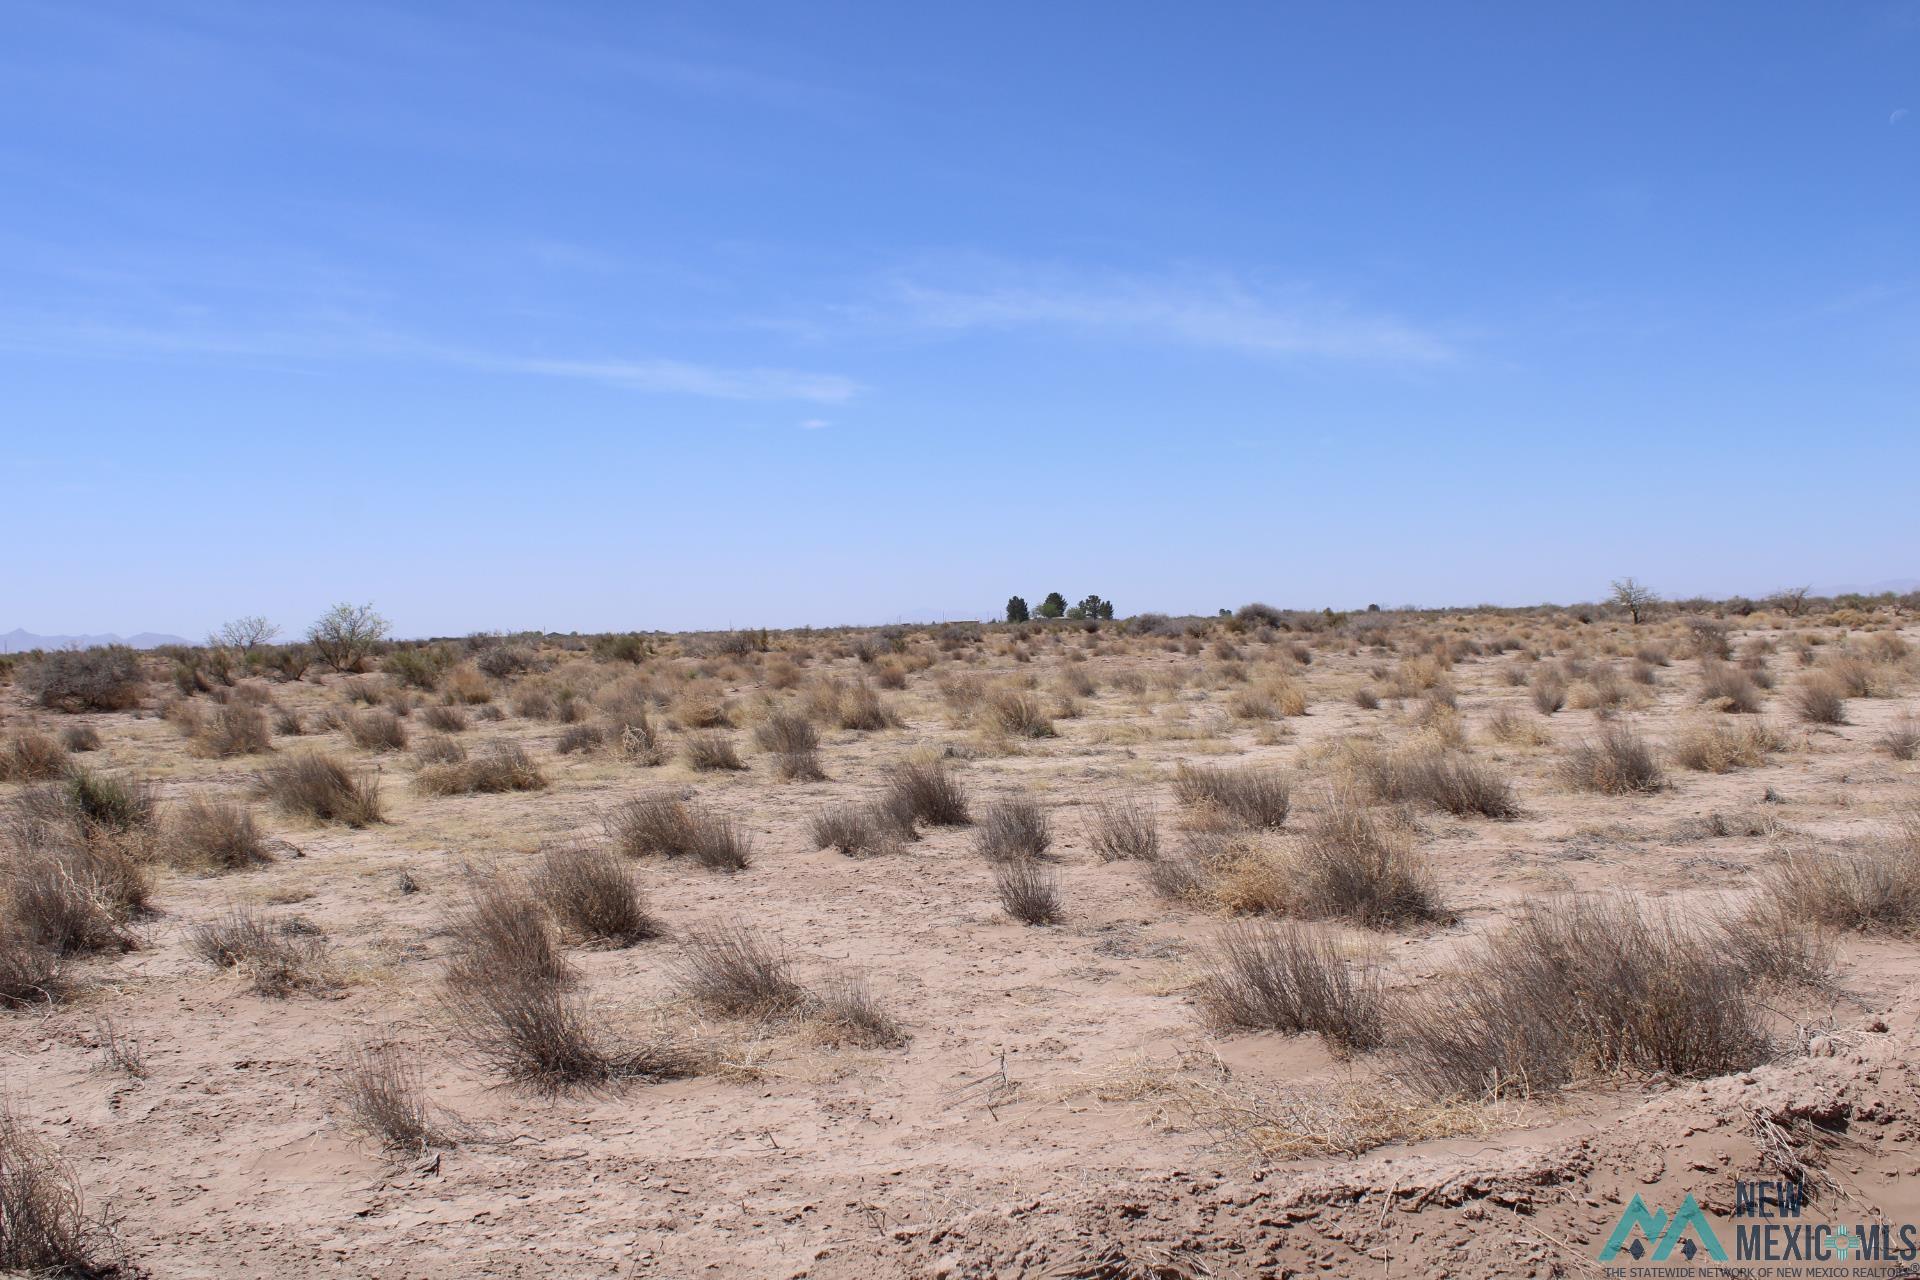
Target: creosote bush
377, 729
712, 752
1820, 699
74, 680
860, 831
1351, 864
31, 756
1445, 779
1871, 887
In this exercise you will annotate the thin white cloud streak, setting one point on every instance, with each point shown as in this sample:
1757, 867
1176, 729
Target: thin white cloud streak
648, 375
1216, 313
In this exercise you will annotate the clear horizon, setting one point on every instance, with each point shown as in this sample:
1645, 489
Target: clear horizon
582, 318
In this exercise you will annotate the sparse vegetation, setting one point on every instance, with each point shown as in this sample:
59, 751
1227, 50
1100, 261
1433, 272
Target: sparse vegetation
320, 788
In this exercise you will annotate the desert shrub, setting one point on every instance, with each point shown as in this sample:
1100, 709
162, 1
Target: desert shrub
219, 835
29, 972
847, 1012
1589, 986
80, 738
1124, 828
1016, 827
377, 729
502, 932
1028, 890
1620, 763
1729, 688
1444, 779
591, 892
795, 745
346, 636
277, 957
860, 707
71, 896
384, 1098
533, 703
1292, 978
1549, 693
928, 792
364, 690
857, 830
234, 729
1251, 797
579, 737
1516, 730
502, 767
467, 686
1902, 742
45, 1228
438, 748
1819, 699
444, 719
1711, 748
664, 824
712, 752
541, 1035
417, 668
287, 723
1366, 699
1874, 887
73, 680
503, 661
1353, 865
736, 970
31, 756
1018, 712
320, 788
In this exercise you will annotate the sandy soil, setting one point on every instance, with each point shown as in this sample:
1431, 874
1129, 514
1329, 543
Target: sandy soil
1062, 1108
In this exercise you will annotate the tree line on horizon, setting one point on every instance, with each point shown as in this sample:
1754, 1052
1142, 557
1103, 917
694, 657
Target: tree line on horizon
1056, 606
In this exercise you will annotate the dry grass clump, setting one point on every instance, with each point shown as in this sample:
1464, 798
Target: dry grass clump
31, 756
1249, 797
1728, 688
735, 970
1028, 889
847, 1012
1902, 742
278, 957
712, 753
319, 787
66, 896
1516, 731
502, 767
376, 729
664, 824
578, 738
859, 707
859, 830
1124, 828
1292, 978
45, 1228
82, 805
1549, 692
1444, 779
1873, 887
1594, 986
927, 792
438, 748
592, 894
218, 835
80, 739
1712, 748
502, 931
29, 973
385, 1099
1352, 864
794, 744
235, 729
1018, 713
445, 719
1014, 828
1620, 763
1819, 699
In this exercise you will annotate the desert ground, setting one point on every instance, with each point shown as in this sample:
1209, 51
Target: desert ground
1384, 944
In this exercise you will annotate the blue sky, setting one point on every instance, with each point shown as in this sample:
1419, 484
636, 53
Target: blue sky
603, 316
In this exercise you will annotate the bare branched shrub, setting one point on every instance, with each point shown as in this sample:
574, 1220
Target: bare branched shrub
120, 1050
1016, 827
75, 895
712, 752
1619, 764
1353, 865
579, 738
858, 830
218, 835
1028, 890
385, 1099
319, 787
278, 957
1819, 699
29, 972
736, 970
664, 824
1124, 828
502, 767
1250, 797
45, 1228
1589, 987
1444, 779
1292, 978
502, 933
377, 729
591, 892
31, 756
1712, 748
928, 792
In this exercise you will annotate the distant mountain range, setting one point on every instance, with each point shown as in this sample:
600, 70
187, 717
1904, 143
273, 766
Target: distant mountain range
19, 641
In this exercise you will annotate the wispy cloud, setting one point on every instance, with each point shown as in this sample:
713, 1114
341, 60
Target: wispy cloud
1212, 311
684, 378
